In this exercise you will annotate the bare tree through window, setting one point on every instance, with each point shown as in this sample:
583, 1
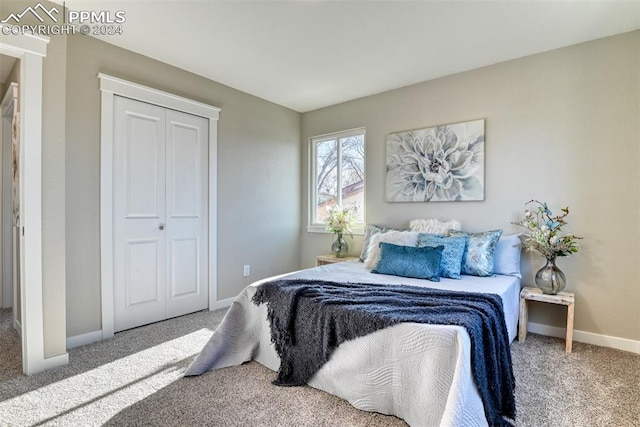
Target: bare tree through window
339, 174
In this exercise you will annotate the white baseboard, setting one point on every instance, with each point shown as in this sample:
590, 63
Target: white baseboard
222, 304
56, 361
88, 338
586, 337
95, 336
17, 326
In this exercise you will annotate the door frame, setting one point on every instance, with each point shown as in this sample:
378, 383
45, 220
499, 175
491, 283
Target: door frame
110, 87
30, 49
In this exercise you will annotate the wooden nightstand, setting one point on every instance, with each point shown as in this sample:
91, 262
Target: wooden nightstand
330, 259
535, 294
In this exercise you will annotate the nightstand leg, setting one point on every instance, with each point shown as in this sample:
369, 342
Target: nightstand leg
524, 318
569, 343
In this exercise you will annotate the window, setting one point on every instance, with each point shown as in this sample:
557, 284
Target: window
336, 176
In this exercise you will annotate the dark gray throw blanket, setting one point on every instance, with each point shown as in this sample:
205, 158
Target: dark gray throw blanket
310, 318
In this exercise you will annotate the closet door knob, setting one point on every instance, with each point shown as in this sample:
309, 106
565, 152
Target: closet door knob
161, 227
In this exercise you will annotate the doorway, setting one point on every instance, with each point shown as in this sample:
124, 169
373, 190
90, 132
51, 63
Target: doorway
9, 201
30, 50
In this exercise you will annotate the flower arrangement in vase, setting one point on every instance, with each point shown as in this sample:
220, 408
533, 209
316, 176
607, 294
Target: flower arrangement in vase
339, 222
543, 235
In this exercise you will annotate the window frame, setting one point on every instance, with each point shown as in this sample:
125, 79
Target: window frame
314, 225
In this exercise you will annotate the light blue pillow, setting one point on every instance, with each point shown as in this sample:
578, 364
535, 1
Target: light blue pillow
451, 262
506, 257
409, 261
478, 258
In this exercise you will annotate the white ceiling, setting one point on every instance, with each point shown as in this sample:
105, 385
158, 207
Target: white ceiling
307, 55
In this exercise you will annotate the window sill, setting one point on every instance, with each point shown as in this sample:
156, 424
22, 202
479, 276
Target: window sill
358, 230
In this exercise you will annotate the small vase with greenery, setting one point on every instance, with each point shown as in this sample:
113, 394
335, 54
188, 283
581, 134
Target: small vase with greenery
339, 221
543, 235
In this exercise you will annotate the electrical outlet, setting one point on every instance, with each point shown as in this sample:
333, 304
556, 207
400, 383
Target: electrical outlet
246, 271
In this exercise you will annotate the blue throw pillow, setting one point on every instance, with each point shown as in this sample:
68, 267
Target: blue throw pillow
451, 262
478, 255
409, 261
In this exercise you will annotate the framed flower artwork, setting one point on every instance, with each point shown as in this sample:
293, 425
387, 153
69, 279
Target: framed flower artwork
437, 164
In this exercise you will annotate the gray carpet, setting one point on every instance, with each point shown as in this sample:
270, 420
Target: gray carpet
135, 379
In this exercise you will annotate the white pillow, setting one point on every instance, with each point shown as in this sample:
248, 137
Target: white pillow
401, 238
370, 231
435, 226
506, 256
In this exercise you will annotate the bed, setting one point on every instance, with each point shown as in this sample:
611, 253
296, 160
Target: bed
418, 372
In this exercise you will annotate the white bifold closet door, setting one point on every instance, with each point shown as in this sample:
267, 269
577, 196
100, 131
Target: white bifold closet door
160, 212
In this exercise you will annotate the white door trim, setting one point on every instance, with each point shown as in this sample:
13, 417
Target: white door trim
30, 49
110, 87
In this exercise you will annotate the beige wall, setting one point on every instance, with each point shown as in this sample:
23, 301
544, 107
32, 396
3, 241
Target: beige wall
14, 75
53, 197
562, 126
258, 175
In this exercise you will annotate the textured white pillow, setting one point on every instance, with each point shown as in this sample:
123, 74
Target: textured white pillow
435, 226
370, 231
401, 238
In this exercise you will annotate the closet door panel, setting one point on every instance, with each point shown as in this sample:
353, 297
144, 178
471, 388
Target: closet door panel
139, 210
187, 213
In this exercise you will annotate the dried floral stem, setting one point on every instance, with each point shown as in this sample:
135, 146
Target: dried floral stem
543, 231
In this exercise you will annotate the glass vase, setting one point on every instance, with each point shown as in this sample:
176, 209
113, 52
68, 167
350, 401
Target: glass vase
340, 247
550, 279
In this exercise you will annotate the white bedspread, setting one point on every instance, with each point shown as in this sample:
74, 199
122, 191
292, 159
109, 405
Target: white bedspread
418, 372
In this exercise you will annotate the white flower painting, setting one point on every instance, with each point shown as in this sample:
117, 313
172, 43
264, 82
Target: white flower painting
438, 164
